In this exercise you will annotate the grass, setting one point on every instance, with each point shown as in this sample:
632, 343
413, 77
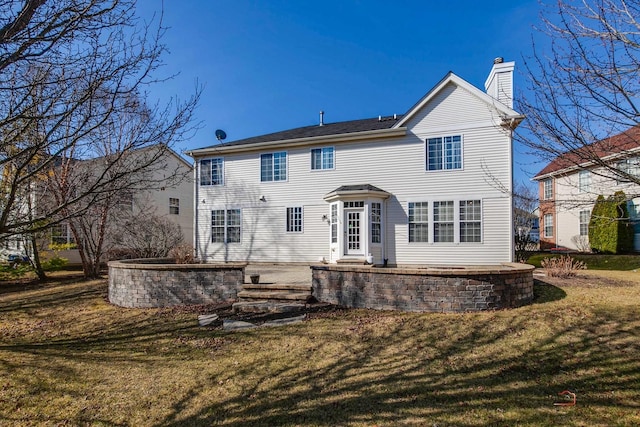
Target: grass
67, 357
594, 261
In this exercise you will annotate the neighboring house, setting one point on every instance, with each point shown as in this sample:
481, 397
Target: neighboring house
569, 186
174, 202
431, 186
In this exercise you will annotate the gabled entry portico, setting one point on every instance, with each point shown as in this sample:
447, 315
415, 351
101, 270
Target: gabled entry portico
357, 219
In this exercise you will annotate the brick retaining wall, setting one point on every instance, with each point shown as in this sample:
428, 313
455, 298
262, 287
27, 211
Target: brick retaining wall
443, 289
145, 283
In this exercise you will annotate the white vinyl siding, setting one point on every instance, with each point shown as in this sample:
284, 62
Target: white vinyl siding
396, 165
322, 158
212, 172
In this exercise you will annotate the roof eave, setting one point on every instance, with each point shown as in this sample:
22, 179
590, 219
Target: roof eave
296, 142
585, 165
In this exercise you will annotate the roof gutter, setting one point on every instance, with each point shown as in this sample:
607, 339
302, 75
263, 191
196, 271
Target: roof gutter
296, 142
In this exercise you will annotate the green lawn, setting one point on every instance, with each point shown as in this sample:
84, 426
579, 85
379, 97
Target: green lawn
67, 357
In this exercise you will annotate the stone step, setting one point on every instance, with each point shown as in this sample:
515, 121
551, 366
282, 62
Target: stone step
264, 306
354, 261
277, 287
275, 295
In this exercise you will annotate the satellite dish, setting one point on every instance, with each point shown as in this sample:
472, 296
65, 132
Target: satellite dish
220, 134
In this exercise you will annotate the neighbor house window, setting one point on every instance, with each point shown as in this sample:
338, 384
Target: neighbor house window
211, 172
470, 221
630, 167
548, 225
322, 158
125, 201
584, 181
419, 222
61, 234
174, 206
273, 167
294, 220
376, 222
444, 153
334, 223
547, 189
443, 221
226, 225
585, 217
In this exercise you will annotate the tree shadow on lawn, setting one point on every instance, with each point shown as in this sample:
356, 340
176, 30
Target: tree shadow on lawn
544, 292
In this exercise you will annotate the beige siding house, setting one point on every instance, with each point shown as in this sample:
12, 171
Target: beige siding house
431, 186
570, 184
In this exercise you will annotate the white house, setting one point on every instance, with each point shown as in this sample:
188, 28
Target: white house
173, 202
431, 186
570, 184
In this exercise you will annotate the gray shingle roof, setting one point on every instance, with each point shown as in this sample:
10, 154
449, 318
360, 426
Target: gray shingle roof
360, 187
338, 128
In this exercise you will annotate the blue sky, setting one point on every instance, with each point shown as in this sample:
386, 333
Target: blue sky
273, 65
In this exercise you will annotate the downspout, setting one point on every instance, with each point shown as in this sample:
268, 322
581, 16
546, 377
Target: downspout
195, 208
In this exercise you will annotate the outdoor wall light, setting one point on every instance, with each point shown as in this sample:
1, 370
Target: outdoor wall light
324, 217
263, 199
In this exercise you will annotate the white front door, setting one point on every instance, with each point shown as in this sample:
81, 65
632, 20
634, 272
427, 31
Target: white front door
353, 231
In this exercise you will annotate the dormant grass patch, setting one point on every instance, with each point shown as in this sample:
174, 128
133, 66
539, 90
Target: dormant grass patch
68, 357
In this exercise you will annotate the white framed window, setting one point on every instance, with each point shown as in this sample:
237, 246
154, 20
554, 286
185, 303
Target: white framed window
294, 219
212, 171
547, 192
334, 223
470, 221
443, 221
585, 217
226, 225
418, 221
174, 206
60, 235
548, 225
584, 181
630, 166
444, 153
376, 222
125, 201
273, 166
322, 158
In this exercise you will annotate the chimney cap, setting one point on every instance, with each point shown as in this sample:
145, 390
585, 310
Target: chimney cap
498, 60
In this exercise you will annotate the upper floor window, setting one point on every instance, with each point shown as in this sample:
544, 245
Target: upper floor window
630, 167
584, 181
294, 219
211, 172
547, 189
444, 153
273, 166
322, 158
174, 206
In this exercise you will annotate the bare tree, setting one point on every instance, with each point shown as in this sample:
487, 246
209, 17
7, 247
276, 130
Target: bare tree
71, 73
525, 202
585, 86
